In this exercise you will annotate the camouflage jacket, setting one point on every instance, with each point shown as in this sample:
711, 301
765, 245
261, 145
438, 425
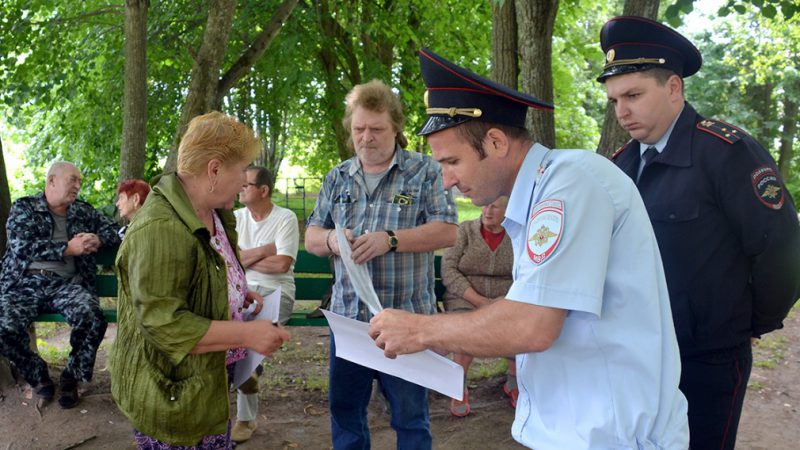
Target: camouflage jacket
30, 238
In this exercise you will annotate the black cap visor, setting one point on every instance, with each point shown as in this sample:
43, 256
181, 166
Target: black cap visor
439, 123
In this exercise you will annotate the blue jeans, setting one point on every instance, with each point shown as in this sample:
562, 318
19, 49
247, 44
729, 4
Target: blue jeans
349, 391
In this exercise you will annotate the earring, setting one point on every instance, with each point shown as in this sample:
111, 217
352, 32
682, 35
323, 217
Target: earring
211, 189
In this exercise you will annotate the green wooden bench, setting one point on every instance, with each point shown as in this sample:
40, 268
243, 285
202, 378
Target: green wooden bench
312, 276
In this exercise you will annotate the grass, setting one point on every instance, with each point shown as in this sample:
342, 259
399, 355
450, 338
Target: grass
769, 351
52, 354
484, 368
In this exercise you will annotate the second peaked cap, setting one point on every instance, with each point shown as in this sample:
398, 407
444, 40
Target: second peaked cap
634, 44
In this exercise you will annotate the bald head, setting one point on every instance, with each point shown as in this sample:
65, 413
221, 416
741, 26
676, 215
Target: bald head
63, 185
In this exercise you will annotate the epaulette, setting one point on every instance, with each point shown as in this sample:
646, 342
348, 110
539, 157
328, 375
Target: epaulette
619, 150
722, 130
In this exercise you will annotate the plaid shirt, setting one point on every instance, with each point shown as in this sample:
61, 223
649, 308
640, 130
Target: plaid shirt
410, 194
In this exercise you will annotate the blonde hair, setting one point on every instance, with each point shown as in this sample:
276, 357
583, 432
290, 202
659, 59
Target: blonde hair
375, 96
215, 136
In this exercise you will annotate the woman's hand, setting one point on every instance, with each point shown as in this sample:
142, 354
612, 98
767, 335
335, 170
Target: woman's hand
254, 297
264, 337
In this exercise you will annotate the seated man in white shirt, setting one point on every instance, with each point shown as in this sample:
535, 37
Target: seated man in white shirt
268, 241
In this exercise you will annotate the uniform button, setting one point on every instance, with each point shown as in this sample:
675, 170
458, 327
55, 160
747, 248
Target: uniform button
172, 398
370, 205
672, 216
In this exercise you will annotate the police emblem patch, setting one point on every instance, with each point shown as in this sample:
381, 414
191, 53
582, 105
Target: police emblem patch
767, 187
545, 229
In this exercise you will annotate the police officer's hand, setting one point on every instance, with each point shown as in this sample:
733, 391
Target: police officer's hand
370, 245
397, 332
263, 337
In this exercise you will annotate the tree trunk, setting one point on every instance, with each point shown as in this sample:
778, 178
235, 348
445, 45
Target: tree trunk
759, 99
535, 21
613, 135
790, 120
335, 92
254, 52
134, 107
5, 205
205, 72
504, 44
5, 201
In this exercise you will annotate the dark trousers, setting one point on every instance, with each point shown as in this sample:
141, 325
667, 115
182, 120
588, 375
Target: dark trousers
715, 388
34, 294
349, 391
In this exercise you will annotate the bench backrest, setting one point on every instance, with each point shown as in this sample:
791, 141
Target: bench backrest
313, 275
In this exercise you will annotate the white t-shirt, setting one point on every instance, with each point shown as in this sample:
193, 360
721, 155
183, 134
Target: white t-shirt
280, 227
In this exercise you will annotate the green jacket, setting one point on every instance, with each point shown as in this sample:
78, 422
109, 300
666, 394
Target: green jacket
172, 285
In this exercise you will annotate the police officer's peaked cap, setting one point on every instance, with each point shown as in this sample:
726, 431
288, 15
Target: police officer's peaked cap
633, 44
455, 95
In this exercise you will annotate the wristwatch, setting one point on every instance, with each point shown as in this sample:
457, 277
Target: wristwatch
392, 240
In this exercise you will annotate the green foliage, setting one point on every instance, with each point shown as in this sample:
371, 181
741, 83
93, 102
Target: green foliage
577, 59
467, 210
483, 368
749, 67
770, 9
52, 354
61, 66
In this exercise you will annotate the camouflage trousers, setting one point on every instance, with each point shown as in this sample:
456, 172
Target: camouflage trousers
35, 294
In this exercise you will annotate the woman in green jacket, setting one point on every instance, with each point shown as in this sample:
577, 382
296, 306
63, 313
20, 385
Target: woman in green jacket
181, 295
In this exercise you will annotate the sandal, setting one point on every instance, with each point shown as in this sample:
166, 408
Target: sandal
460, 408
513, 394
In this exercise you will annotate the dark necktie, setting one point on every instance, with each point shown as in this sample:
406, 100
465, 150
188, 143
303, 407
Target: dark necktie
647, 158
649, 154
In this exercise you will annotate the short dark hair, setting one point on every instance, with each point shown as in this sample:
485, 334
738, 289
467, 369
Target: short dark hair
263, 177
660, 74
474, 132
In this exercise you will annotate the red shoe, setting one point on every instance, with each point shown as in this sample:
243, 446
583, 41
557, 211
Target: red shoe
460, 408
512, 394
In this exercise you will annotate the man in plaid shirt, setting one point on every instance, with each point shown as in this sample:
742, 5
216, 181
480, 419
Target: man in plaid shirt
396, 212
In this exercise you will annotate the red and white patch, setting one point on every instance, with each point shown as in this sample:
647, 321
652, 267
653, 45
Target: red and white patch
767, 187
545, 229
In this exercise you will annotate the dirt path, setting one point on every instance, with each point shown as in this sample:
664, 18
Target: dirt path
294, 414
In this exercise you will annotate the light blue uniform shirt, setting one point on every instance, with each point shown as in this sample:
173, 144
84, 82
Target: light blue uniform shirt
583, 242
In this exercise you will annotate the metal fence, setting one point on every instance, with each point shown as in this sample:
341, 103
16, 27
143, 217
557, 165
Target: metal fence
297, 194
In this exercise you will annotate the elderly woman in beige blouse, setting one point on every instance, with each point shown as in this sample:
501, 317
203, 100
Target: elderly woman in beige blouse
476, 271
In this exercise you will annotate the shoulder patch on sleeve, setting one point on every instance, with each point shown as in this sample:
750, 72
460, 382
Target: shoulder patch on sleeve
722, 130
545, 228
767, 187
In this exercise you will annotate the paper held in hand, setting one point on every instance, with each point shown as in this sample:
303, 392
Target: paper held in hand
353, 343
270, 311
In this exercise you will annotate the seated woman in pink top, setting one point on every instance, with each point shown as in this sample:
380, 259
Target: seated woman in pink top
476, 271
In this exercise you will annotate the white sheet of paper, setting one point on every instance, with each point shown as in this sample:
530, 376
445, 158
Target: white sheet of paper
425, 368
358, 274
271, 312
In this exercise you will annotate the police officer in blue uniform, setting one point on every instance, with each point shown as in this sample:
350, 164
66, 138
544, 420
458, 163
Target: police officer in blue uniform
726, 226
588, 313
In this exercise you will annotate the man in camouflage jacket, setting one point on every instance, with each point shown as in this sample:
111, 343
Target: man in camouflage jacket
49, 266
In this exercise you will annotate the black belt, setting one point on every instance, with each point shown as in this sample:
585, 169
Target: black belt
43, 272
